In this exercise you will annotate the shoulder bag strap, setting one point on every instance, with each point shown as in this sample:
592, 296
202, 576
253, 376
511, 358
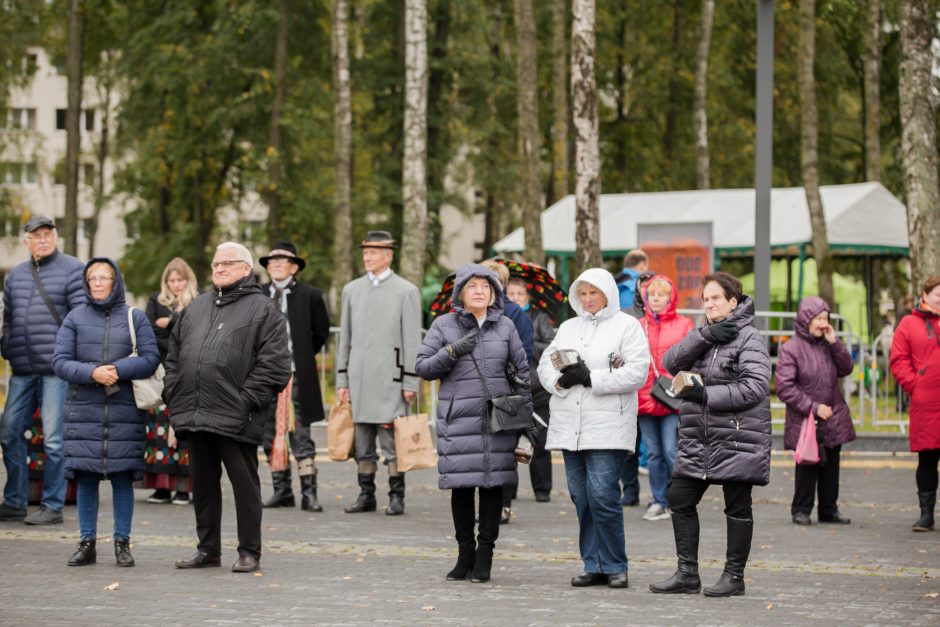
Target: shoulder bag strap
486, 388
133, 332
646, 327
930, 331
45, 296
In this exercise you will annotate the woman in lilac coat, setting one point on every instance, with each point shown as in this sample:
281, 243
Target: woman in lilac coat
808, 372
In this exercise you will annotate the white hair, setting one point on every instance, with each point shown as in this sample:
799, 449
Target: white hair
242, 251
26, 236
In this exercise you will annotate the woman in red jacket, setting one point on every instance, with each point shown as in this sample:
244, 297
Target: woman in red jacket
915, 363
658, 423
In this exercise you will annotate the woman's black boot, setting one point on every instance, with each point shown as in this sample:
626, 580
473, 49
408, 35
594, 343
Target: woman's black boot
731, 582
928, 501
85, 554
685, 580
122, 552
462, 509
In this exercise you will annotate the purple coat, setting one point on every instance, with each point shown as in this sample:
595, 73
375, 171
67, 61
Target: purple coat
808, 373
469, 456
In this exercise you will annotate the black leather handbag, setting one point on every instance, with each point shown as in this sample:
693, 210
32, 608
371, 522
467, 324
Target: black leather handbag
505, 412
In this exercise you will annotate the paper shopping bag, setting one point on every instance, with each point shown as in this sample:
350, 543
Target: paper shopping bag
340, 433
413, 446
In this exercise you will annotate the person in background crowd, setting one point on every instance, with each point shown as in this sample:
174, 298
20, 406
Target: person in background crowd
915, 363
308, 329
524, 328
724, 432
168, 458
37, 296
594, 405
463, 348
380, 332
809, 367
543, 331
635, 263
105, 435
664, 328
228, 360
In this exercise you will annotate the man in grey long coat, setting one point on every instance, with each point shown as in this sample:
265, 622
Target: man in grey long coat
380, 333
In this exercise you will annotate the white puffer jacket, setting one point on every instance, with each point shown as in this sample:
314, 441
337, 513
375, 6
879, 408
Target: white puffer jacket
602, 416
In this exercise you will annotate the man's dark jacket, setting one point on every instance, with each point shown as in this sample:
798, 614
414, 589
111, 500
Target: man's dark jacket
228, 359
309, 331
29, 328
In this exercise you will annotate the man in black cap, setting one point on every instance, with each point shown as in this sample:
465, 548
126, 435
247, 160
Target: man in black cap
380, 334
36, 298
308, 329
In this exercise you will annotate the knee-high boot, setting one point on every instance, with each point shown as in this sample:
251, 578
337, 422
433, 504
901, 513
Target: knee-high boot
366, 500
283, 494
731, 582
463, 513
396, 492
491, 506
685, 527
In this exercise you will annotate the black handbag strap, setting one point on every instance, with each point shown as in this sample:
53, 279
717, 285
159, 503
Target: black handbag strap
45, 296
486, 389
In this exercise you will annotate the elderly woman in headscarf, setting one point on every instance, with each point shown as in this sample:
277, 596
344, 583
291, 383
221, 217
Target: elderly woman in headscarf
594, 408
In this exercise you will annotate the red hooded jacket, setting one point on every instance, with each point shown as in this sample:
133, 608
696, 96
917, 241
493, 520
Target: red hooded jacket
915, 363
662, 331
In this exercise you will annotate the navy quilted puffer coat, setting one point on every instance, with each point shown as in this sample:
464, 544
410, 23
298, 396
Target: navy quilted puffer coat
470, 456
104, 434
29, 328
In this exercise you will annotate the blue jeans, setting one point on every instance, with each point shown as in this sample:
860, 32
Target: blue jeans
659, 433
593, 483
26, 393
122, 491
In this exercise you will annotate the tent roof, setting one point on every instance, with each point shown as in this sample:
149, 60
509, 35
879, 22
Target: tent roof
859, 217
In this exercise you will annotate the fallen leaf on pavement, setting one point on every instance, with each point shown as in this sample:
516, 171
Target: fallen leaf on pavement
770, 606
113, 586
932, 595
428, 608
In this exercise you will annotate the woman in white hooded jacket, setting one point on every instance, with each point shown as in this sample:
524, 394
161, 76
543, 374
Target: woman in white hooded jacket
593, 406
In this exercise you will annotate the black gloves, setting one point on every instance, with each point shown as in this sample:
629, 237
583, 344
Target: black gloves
575, 374
464, 345
696, 393
720, 332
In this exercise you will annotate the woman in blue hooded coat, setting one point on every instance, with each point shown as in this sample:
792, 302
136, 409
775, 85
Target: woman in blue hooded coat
104, 432
474, 343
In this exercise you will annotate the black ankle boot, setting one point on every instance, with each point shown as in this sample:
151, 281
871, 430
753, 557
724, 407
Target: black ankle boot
283, 493
466, 557
396, 496
308, 493
482, 564
366, 500
731, 582
85, 554
122, 552
685, 580
928, 501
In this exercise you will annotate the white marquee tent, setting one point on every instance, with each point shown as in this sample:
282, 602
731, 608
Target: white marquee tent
861, 218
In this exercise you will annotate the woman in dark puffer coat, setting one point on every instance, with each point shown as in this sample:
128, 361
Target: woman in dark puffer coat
470, 457
104, 432
808, 371
724, 432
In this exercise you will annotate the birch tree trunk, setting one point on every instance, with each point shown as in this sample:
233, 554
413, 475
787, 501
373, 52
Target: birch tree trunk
342, 153
700, 116
919, 140
587, 186
273, 155
414, 167
872, 91
527, 105
559, 101
104, 85
809, 153
73, 120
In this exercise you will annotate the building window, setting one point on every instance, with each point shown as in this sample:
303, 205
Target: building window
22, 118
60, 119
32, 62
13, 173
85, 228
88, 174
89, 120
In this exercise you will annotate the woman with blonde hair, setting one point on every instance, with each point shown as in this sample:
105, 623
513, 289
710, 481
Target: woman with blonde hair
167, 459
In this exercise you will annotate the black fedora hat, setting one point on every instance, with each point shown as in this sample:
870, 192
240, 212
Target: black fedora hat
284, 250
378, 239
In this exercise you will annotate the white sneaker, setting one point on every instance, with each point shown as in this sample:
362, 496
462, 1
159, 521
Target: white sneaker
657, 512
643, 470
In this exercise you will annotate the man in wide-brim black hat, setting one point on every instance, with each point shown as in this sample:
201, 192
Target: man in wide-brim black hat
380, 333
308, 328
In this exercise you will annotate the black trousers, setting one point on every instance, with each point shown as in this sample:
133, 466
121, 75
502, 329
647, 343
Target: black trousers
822, 477
685, 495
927, 470
462, 509
208, 452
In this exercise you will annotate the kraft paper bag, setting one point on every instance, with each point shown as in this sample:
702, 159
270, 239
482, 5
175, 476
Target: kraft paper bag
340, 433
413, 445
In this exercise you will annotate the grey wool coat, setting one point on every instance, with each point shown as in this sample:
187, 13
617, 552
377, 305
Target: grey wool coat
380, 332
726, 438
468, 455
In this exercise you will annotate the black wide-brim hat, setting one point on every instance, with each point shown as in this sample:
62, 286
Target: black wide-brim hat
284, 250
379, 239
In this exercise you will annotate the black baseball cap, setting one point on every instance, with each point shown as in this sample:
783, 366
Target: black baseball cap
37, 222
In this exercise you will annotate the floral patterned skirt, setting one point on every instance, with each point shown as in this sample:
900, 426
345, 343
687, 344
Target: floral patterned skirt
167, 467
